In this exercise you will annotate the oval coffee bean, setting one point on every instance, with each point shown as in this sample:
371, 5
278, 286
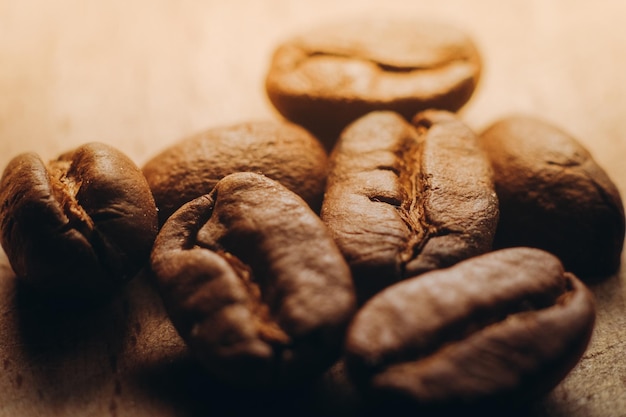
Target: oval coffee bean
79, 225
404, 199
554, 196
253, 283
282, 151
495, 330
330, 75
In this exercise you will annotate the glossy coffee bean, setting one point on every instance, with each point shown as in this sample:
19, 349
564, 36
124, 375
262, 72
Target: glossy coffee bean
332, 74
554, 196
282, 151
403, 198
80, 225
254, 283
497, 330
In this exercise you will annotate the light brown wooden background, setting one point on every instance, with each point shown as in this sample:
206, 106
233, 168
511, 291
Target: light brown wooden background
141, 74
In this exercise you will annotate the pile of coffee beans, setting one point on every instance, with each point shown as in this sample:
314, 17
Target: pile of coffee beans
444, 269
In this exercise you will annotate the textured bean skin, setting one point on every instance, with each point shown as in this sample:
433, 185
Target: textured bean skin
554, 196
254, 283
330, 75
79, 226
403, 199
282, 151
495, 330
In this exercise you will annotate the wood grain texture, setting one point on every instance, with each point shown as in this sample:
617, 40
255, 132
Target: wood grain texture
140, 75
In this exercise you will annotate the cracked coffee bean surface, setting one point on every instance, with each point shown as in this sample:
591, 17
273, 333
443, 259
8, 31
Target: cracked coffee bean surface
403, 198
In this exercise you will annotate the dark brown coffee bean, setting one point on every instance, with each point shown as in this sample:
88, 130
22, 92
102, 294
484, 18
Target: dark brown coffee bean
404, 199
282, 151
254, 283
501, 328
554, 196
328, 76
80, 225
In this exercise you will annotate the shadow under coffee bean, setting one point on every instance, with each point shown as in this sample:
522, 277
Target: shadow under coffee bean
254, 283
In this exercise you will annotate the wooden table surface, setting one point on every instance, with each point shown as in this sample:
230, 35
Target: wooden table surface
141, 74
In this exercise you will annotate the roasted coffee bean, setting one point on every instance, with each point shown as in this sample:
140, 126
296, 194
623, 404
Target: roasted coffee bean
332, 74
554, 196
80, 225
254, 283
496, 330
282, 151
404, 199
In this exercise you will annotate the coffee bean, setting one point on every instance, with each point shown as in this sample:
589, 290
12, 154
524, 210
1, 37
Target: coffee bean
496, 330
80, 225
254, 283
404, 199
282, 151
554, 196
330, 75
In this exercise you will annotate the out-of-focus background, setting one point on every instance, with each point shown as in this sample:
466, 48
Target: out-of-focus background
140, 75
